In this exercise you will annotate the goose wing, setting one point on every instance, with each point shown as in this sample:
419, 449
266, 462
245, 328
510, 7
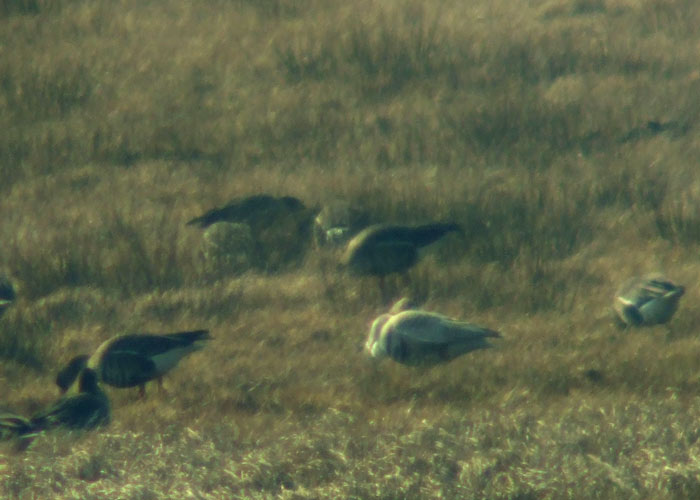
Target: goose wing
152, 345
431, 328
393, 254
127, 368
382, 257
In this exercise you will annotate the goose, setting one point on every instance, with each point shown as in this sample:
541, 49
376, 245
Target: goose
259, 208
382, 249
416, 337
132, 360
281, 227
87, 410
647, 300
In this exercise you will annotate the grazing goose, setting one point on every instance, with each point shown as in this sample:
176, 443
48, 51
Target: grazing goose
133, 360
86, 410
257, 208
281, 227
337, 223
415, 337
647, 300
382, 249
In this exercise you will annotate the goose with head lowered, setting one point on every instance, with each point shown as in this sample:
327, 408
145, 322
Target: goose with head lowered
86, 410
133, 360
383, 249
415, 337
647, 300
253, 210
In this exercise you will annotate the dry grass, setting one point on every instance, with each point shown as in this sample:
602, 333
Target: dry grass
526, 122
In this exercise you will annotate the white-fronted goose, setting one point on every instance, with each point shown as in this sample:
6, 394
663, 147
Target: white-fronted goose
381, 249
133, 360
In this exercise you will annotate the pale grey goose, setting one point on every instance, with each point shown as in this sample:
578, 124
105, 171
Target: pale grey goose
647, 300
281, 227
416, 337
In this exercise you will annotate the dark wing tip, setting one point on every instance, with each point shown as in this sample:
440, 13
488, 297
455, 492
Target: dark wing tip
494, 334
197, 221
191, 335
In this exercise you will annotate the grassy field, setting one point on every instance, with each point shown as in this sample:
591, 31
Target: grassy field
561, 134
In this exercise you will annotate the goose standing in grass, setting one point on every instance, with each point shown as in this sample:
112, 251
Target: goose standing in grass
133, 360
380, 250
647, 300
415, 337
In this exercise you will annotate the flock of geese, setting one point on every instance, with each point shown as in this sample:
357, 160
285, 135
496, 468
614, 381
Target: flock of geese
405, 334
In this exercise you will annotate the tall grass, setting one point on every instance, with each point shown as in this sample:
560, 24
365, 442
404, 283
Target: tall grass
559, 134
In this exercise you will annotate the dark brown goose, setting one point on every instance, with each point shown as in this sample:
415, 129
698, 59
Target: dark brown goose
253, 210
86, 410
647, 300
381, 249
133, 360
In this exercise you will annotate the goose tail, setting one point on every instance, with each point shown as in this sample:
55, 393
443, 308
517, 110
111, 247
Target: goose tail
201, 221
430, 233
195, 338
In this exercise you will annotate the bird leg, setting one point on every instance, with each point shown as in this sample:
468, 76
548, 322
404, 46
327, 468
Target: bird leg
161, 389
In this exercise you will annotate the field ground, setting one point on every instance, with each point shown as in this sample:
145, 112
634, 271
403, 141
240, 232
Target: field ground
561, 134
